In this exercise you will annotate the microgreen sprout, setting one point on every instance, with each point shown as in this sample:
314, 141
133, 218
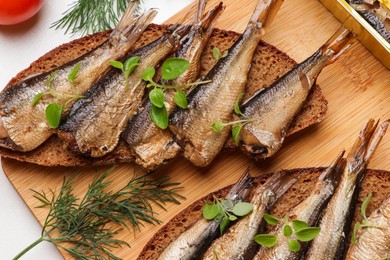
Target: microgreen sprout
225, 211
296, 230
365, 222
127, 67
171, 69
217, 53
54, 109
218, 126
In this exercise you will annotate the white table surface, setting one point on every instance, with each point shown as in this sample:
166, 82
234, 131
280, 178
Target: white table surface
19, 46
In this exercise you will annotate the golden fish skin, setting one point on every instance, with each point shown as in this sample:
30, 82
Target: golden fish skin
24, 127
151, 144
215, 101
335, 224
97, 121
373, 243
237, 242
194, 241
309, 210
272, 109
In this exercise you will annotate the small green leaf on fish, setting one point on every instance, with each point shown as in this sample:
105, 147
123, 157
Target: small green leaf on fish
356, 227
232, 218
216, 53
364, 206
224, 224
116, 64
266, 240
242, 209
156, 96
50, 78
159, 116
294, 245
181, 99
130, 64
271, 220
53, 114
298, 224
236, 130
217, 126
37, 98
172, 68
227, 204
287, 231
210, 211
307, 234
73, 73
237, 105
148, 74
224, 54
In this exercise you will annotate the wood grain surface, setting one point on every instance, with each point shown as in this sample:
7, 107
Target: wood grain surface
357, 87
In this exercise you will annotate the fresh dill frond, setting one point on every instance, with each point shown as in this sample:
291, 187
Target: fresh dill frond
90, 16
85, 227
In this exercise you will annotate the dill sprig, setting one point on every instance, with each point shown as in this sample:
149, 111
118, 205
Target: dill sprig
90, 16
85, 227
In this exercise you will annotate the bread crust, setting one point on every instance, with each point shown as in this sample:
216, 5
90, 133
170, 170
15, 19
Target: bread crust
268, 65
375, 181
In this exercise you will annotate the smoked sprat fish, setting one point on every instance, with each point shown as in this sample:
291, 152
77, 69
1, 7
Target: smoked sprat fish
215, 101
96, 122
309, 211
335, 224
151, 144
23, 126
194, 241
237, 242
373, 242
272, 109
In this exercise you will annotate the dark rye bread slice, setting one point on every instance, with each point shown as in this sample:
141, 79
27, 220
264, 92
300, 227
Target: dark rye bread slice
268, 65
376, 182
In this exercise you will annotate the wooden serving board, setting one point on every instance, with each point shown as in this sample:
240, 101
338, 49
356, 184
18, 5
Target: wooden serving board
357, 87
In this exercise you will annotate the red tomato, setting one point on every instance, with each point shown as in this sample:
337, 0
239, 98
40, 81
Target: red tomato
16, 11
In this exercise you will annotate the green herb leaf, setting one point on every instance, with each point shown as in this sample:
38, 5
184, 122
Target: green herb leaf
287, 230
210, 211
37, 98
227, 204
216, 53
53, 114
224, 54
237, 105
181, 99
307, 234
242, 209
173, 68
159, 116
148, 74
50, 78
236, 130
298, 224
271, 219
266, 240
232, 218
130, 64
224, 224
156, 96
294, 245
364, 206
73, 73
116, 64
218, 126
356, 228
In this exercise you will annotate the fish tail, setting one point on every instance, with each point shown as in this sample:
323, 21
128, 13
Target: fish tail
279, 183
131, 30
199, 12
333, 172
241, 189
210, 19
340, 42
365, 145
265, 12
